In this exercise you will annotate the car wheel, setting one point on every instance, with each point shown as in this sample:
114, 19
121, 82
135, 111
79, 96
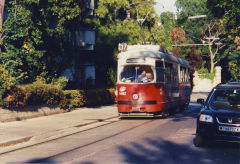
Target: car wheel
184, 107
199, 141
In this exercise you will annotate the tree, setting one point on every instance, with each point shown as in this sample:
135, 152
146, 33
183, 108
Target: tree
2, 4
35, 37
157, 32
229, 12
204, 30
116, 22
212, 36
168, 22
194, 28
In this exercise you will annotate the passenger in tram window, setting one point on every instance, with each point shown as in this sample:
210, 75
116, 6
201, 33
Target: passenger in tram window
143, 77
150, 76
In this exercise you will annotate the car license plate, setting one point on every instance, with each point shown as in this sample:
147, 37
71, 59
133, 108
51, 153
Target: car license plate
229, 129
136, 109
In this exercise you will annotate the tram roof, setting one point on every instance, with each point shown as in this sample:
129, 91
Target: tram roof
147, 53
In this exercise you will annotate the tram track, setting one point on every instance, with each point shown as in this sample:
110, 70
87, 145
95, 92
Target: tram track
97, 141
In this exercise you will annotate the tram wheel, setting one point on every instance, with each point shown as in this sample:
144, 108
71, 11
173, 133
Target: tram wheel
165, 114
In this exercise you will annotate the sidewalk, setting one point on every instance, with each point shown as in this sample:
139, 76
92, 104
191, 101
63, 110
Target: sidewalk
40, 128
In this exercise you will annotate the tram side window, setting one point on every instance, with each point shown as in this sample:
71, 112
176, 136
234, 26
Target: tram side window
159, 71
175, 73
187, 75
184, 75
169, 71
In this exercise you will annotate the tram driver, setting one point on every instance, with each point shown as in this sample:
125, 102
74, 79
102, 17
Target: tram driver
143, 77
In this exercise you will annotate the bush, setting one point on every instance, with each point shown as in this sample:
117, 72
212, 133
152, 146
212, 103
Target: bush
112, 76
6, 80
204, 74
100, 97
75, 98
80, 98
44, 94
15, 97
47, 94
61, 82
203, 70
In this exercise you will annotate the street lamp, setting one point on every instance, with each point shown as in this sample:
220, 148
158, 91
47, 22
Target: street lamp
197, 16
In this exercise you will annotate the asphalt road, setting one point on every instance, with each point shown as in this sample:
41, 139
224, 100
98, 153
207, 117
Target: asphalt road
136, 140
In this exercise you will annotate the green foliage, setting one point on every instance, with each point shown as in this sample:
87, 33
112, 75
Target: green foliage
6, 80
34, 37
112, 74
14, 97
41, 79
45, 94
229, 13
234, 69
168, 24
22, 42
158, 33
228, 10
100, 97
61, 81
195, 27
75, 98
80, 98
203, 70
205, 74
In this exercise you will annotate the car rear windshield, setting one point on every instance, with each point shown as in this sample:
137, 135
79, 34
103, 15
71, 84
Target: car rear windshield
226, 99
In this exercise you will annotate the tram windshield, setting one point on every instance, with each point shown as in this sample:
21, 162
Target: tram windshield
136, 74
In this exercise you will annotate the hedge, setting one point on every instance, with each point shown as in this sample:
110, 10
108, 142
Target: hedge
47, 94
100, 97
75, 98
93, 97
14, 97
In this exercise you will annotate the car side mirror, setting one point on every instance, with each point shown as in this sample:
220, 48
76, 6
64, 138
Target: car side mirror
200, 101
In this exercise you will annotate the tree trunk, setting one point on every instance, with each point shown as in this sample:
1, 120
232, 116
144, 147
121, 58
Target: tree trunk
143, 35
212, 66
211, 57
2, 4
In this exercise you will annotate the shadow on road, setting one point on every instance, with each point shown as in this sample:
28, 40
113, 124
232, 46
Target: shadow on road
167, 152
40, 161
192, 112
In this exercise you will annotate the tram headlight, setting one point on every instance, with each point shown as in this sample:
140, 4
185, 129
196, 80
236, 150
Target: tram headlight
135, 96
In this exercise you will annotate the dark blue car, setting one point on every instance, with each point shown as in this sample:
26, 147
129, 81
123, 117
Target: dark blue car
219, 118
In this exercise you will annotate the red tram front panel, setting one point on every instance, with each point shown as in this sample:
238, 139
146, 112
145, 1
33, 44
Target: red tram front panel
145, 98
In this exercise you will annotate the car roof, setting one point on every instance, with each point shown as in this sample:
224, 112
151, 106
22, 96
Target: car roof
230, 85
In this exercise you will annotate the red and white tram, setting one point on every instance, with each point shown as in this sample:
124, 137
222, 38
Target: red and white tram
151, 82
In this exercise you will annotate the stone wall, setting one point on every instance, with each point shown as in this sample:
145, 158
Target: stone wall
206, 85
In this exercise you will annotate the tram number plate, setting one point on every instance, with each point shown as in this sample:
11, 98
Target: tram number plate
229, 129
135, 109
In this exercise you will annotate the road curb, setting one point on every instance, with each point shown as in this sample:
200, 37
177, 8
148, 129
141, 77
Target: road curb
14, 142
